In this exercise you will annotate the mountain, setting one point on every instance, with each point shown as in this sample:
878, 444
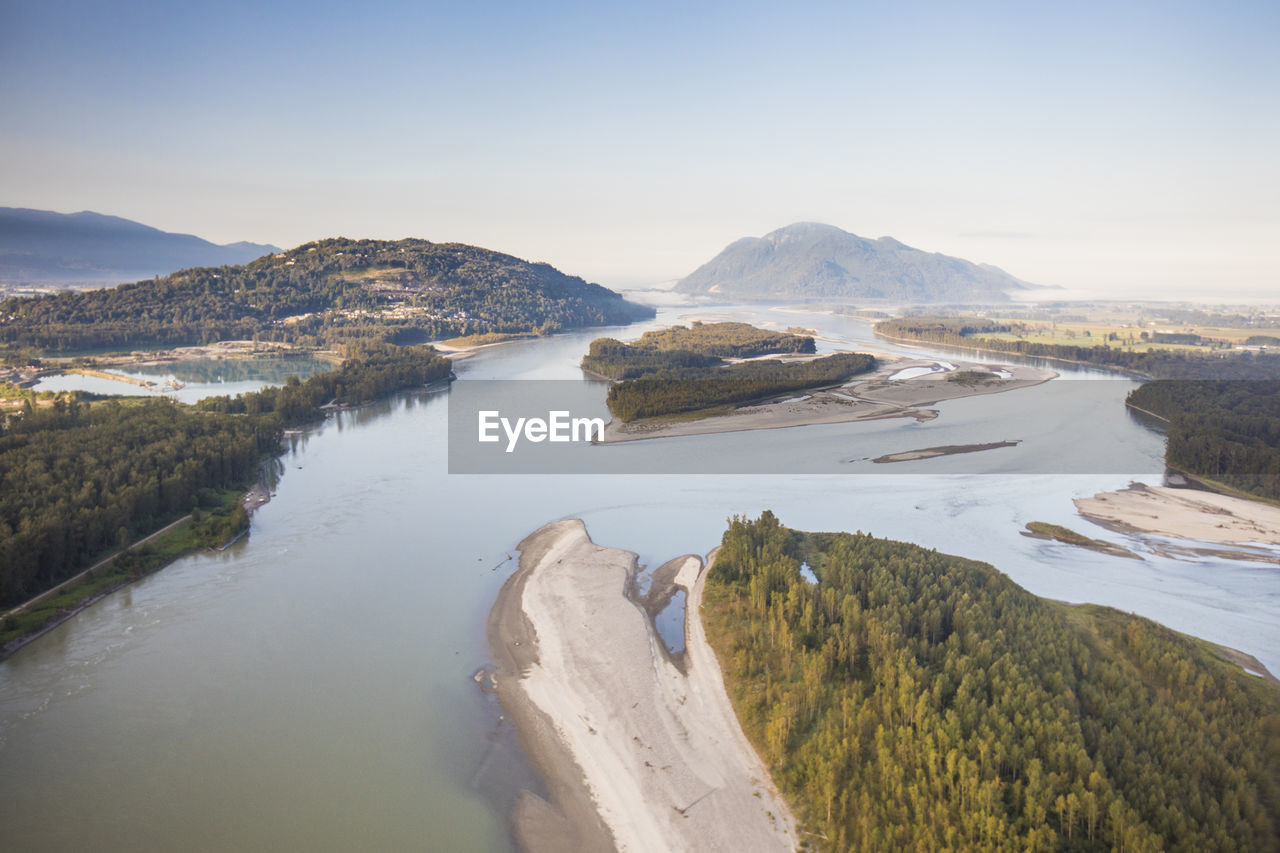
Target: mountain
43, 247
322, 293
809, 260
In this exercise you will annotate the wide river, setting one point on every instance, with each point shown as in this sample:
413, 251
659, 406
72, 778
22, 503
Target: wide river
311, 687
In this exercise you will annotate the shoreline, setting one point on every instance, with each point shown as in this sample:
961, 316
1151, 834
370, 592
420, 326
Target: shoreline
256, 496
872, 397
637, 753
1187, 514
921, 342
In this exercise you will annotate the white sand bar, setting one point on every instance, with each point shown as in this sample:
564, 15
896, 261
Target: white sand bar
663, 756
1186, 513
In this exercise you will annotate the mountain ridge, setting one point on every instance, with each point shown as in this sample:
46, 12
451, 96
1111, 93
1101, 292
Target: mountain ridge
89, 248
325, 291
813, 260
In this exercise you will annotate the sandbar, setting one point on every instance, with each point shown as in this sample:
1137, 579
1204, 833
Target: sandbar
1184, 513
869, 397
637, 752
943, 450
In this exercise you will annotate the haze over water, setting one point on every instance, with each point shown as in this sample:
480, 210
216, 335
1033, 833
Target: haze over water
310, 688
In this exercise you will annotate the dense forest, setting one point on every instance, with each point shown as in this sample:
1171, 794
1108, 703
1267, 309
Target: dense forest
79, 479
699, 345
370, 370
325, 292
1228, 431
1165, 364
911, 700
683, 369
675, 391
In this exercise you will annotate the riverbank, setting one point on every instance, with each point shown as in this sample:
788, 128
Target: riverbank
872, 397
213, 529
1184, 514
637, 755
1072, 362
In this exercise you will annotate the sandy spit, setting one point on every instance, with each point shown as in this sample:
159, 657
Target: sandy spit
866, 398
1184, 513
637, 755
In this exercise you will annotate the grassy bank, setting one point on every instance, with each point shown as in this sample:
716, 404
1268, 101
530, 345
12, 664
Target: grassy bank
206, 528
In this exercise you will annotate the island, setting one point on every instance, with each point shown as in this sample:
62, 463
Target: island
893, 695
682, 382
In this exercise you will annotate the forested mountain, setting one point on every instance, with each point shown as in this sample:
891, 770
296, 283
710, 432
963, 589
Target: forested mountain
40, 246
911, 700
329, 291
1228, 431
809, 260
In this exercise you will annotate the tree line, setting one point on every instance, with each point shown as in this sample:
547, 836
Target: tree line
698, 345
1228, 431
678, 390
1167, 364
911, 700
80, 478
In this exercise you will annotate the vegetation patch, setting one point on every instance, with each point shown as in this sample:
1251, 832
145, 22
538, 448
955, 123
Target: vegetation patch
682, 370
699, 345
1145, 356
484, 339
972, 377
220, 519
1058, 533
674, 391
912, 700
1223, 431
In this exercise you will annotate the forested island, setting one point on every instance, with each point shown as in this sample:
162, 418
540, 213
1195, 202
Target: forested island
914, 700
81, 477
699, 345
1156, 361
1227, 432
326, 292
682, 370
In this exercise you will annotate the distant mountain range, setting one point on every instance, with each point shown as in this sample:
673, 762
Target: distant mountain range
809, 260
43, 247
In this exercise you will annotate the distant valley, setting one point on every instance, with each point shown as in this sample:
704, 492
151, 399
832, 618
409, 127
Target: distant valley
809, 260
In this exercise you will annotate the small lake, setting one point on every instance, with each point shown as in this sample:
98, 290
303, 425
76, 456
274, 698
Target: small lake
201, 377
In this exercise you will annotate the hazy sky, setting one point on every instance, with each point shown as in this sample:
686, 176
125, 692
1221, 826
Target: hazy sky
1115, 147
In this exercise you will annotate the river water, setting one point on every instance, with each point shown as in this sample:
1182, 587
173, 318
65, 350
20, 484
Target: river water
310, 688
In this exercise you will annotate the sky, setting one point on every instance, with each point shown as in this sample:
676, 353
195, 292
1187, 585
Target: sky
1119, 149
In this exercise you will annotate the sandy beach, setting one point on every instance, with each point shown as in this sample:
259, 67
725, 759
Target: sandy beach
1184, 513
640, 752
877, 395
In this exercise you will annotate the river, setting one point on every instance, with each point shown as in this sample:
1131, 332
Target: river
310, 688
